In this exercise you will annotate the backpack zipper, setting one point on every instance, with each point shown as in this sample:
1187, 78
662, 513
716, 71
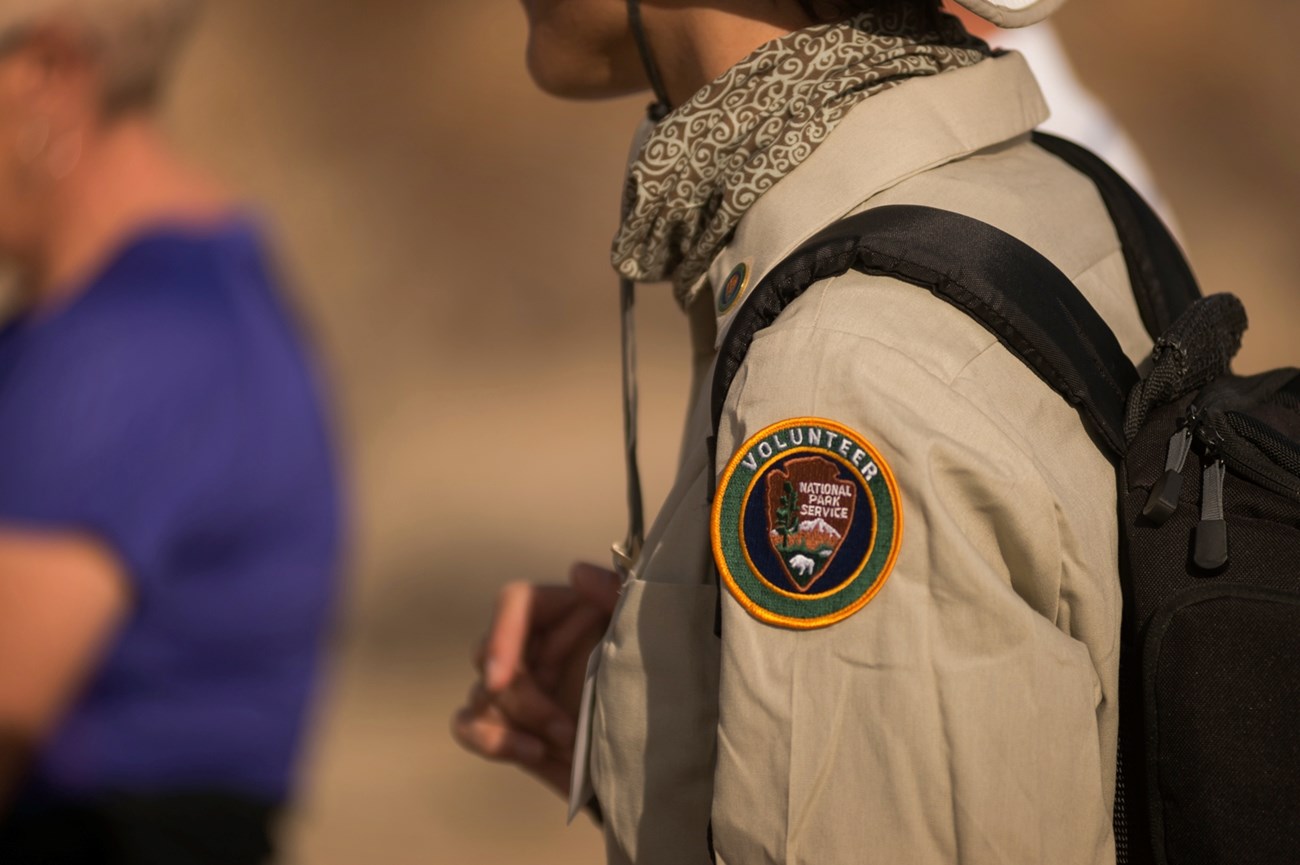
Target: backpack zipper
1228, 439
1251, 448
1253, 452
1163, 500
1210, 540
1210, 548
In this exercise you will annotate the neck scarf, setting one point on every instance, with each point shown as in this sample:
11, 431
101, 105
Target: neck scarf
708, 161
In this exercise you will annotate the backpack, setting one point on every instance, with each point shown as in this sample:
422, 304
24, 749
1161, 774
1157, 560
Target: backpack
1208, 468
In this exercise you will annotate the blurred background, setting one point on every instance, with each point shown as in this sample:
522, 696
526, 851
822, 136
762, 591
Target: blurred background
446, 230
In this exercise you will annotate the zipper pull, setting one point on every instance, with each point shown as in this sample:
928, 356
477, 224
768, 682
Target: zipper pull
1211, 548
1163, 500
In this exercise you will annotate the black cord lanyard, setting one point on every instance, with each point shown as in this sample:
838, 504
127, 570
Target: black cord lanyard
659, 109
625, 554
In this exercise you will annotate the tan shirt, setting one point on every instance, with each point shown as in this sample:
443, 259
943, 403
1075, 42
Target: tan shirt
967, 713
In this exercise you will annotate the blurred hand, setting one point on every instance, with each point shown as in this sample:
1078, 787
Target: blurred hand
524, 708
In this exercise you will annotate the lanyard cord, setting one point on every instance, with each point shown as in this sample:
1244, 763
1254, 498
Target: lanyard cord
659, 109
625, 554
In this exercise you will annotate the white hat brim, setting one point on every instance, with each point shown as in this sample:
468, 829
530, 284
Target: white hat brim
1012, 13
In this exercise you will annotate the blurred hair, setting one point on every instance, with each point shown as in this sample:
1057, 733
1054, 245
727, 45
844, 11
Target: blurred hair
135, 40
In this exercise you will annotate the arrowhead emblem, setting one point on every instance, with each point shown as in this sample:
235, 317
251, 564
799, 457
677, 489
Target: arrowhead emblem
809, 511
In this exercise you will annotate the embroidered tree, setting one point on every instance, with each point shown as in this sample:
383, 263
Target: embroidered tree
787, 515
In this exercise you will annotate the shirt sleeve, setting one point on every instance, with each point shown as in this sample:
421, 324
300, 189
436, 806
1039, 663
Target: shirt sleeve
949, 718
118, 427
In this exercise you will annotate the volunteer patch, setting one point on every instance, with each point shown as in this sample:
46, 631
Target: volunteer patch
806, 523
734, 287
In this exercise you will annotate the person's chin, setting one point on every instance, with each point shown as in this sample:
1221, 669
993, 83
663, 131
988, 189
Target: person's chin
568, 79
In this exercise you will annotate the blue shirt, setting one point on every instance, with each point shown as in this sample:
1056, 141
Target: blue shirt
170, 411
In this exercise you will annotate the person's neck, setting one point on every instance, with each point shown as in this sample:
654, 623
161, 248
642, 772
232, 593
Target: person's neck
126, 180
697, 45
975, 25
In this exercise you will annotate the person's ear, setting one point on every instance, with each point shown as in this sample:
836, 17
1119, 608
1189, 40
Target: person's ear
58, 74
56, 81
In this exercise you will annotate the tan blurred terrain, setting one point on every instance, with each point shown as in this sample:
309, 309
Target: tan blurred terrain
447, 229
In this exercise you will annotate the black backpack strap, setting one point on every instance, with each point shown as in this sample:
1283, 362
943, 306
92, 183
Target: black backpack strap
1008, 287
1162, 281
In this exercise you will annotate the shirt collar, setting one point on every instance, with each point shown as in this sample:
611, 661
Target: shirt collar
896, 134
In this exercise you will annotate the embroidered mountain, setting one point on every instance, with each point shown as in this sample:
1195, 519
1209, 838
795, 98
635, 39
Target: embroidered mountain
819, 526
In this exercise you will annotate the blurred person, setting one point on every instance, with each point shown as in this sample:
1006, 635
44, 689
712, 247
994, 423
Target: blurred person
169, 517
953, 697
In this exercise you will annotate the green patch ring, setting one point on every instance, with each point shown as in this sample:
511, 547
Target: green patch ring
818, 610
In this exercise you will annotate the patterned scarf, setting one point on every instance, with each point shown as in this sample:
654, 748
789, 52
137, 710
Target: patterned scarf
708, 161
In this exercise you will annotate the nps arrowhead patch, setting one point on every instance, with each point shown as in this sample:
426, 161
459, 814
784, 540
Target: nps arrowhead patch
806, 523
